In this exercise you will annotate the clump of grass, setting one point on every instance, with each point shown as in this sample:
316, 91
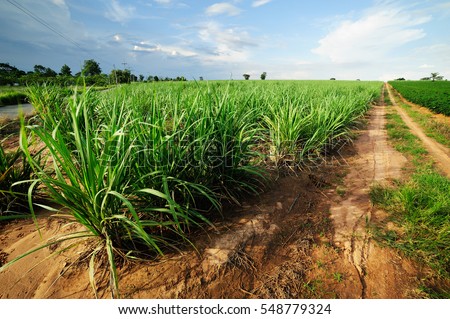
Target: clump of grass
139, 182
95, 175
440, 131
338, 277
341, 191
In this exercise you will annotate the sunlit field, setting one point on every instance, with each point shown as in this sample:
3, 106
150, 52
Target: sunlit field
141, 165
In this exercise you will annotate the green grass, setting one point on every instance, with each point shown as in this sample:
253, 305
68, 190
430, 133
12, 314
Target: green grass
437, 130
338, 277
422, 207
404, 141
8, 88
140, 166
12, 98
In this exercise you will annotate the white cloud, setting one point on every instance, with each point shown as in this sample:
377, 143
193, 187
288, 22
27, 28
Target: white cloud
163, 1
118, 13
222, 8
228, 45
173, 51
234, 38
426, 66
60, 3
379, 31
259, 3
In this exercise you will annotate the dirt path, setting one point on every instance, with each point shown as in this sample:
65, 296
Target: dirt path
381, 272
440, 153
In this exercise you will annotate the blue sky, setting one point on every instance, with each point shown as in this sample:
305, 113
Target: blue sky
365, 39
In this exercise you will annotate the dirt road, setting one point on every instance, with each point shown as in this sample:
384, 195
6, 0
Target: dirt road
440, 153
382, 273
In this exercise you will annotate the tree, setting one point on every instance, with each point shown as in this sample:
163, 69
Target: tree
65, 70
91, 67
263, 75
201, 78
141, 77
50, 73
120, 76
39, 69
246, 76
98, 80
6, 68
436, 77
43, 71
9, 74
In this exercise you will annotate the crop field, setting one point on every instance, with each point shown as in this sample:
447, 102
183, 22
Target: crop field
142, 165
433, 95
10, 97
173, 150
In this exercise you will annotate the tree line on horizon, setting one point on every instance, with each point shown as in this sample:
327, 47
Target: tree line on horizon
433, 77
91, 73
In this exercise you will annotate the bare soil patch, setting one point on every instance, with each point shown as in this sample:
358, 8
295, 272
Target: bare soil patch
266, 241
35, 275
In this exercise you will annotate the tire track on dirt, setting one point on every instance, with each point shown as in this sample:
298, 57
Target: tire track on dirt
375, 162
439, 152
